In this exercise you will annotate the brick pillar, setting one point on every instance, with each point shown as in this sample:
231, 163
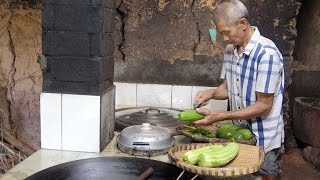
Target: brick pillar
78, 43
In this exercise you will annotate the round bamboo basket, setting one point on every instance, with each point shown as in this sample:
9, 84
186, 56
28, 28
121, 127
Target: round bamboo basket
248, 161
181, 129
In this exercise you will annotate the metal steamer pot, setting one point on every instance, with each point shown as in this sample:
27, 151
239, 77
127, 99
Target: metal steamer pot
145, 140
160, 117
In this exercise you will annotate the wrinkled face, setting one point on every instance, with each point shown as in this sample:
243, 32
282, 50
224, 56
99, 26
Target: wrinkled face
231, 33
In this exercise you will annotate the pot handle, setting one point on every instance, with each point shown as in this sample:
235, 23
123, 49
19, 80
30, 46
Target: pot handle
142, 144
152, 109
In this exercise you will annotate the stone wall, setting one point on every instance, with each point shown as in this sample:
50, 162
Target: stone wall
307, 49
20, 77
173, 37
306, 64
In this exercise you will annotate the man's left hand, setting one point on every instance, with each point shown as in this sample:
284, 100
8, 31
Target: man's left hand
211, 116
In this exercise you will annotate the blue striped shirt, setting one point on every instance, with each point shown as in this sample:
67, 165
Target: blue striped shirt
258, 69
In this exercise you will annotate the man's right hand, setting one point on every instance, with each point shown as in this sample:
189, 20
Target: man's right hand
203, 96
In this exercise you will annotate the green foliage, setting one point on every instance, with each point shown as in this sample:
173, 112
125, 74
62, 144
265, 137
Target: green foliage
199, 132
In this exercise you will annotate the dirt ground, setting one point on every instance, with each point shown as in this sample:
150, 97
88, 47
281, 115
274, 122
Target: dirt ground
294, 167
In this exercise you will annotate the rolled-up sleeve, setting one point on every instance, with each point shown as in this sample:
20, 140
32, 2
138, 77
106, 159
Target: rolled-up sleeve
269, 74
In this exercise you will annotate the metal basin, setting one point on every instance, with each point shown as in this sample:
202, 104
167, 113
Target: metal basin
113, 168
306, 120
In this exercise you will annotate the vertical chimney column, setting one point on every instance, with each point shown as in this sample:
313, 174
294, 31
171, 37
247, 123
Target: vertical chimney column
77, 102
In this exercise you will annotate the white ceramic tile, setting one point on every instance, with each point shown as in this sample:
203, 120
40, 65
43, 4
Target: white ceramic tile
181, 97
196, 89
50, 115
164, 94
220, 105
126, 94
154, 95
81, 123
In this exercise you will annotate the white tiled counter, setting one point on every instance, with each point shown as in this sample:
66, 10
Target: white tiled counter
166, 96
44, 158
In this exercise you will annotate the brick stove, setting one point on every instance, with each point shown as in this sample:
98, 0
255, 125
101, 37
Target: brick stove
78, 97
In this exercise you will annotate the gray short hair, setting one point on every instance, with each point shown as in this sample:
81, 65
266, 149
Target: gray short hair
231, 10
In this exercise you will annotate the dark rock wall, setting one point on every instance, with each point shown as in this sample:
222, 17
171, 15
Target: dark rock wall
307, 49
165, 38
306, 64
176, 32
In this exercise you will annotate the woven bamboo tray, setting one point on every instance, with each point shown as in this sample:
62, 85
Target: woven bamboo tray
248, 161
181, 129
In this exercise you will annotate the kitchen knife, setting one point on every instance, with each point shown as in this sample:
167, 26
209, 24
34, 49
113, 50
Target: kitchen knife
197, 105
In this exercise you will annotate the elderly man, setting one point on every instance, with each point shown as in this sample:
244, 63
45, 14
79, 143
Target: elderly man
253, 82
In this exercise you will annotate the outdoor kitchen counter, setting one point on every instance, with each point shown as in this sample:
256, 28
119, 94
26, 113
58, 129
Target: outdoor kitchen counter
44, 158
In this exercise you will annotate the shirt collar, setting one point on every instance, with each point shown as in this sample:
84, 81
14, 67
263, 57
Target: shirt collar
253, 41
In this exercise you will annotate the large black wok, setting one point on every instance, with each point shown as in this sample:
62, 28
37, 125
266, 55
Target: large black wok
113, 168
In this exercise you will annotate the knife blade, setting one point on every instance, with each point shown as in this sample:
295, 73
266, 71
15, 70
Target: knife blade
197, 105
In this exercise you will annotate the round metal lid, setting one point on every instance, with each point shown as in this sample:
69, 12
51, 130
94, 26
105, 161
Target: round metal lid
161, 117
145, 137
